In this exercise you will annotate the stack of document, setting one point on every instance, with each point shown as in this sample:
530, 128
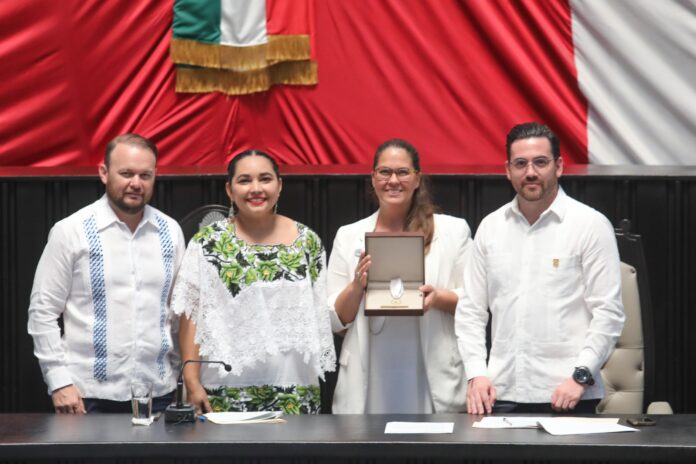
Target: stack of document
556, 425
266, 417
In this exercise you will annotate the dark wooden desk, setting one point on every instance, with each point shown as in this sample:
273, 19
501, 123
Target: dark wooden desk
326, 438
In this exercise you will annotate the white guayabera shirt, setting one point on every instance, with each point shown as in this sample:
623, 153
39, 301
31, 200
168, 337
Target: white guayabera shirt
112, 288
554, 291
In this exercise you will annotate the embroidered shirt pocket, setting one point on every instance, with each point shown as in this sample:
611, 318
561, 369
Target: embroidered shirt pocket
561, 275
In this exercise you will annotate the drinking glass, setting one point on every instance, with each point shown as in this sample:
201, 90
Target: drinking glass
141, 401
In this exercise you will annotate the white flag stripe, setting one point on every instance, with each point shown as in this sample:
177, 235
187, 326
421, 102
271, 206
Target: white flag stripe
243, 22
636, 62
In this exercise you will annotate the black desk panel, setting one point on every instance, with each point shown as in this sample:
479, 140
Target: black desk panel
326, 438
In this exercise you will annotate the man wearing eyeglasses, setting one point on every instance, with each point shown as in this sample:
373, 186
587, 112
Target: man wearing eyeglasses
547, 267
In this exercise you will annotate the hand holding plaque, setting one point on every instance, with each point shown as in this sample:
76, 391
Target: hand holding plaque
396, 274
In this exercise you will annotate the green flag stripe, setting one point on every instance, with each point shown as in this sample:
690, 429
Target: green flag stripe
197, 20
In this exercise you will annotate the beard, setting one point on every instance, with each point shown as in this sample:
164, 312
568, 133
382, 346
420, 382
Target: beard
126, 208
543, 188
119, 201
533, 195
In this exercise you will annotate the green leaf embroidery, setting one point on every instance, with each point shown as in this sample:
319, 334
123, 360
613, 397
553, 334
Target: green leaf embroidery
240, 265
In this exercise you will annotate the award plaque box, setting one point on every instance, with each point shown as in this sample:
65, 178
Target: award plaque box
395, 256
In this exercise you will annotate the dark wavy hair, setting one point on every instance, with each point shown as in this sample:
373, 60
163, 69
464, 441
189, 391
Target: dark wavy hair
420, 214
528, 130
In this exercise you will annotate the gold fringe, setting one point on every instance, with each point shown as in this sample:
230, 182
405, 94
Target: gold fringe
198, 80
201, 80
279, 48
295, 73
243, 58
184, 51
287, 48
191, 52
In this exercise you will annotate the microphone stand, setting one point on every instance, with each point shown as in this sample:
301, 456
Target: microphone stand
185, 412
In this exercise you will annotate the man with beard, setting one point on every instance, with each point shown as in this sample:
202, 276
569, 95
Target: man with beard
547, 267
108, 270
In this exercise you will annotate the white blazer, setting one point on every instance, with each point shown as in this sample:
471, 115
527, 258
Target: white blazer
444, 266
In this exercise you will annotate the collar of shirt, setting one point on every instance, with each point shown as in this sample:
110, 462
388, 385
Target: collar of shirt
558, 208
106, 215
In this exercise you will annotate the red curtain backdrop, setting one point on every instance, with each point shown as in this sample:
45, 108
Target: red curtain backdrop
450, 76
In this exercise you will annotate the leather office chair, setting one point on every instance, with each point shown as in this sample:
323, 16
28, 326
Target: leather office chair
629, 373
201, 217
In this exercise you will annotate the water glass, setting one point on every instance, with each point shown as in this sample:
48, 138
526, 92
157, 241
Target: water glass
141, 401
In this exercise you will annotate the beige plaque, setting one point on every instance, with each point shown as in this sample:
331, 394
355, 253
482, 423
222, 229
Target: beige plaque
396, 273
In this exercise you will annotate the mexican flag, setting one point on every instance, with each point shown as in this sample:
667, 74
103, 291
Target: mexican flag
615, 79
636, 67
241, 46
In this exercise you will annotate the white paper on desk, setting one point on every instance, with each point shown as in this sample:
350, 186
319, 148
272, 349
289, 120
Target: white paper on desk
243, 417
419, 427
532, 422
581, 426
586, 420
514, 422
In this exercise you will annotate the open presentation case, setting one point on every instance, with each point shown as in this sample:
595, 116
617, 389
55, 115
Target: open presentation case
396, 274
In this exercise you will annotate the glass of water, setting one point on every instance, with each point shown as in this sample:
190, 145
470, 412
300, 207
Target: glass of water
141, 401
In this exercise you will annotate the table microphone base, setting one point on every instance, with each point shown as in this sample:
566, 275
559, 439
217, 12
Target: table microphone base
179, 414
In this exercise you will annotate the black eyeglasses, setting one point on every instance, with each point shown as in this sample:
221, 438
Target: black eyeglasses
540, 162
386, 173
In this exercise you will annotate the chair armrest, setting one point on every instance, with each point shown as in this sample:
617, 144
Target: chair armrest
660, 407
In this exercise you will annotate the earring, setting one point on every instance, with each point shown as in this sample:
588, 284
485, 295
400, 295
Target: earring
275, 208
231, 213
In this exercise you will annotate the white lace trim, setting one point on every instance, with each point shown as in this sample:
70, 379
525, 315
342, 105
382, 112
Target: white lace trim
264, 319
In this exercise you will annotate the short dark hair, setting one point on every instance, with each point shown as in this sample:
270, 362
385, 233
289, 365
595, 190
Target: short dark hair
134, 140
232, 167
528, 130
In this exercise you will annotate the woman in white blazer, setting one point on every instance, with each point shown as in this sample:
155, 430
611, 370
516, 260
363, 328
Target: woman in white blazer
403, 364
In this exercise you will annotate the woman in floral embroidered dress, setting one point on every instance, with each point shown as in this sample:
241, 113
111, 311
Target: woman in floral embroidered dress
251, 292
